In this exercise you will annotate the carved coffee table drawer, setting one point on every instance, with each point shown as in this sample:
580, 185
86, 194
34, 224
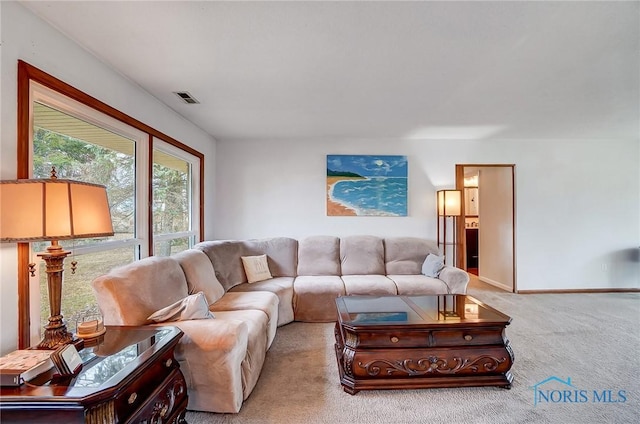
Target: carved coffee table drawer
391, 339
467, 337
428, 363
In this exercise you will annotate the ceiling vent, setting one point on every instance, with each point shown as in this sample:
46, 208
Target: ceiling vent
186, 97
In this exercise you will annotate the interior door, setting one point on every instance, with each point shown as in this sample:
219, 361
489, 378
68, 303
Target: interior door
495, 223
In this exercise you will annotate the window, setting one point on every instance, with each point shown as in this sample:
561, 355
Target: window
88, 141
174, 191
84, 145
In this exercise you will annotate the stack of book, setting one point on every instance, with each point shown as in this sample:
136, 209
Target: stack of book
23, 365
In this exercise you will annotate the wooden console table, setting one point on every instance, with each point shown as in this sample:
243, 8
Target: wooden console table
410, 342
129, 375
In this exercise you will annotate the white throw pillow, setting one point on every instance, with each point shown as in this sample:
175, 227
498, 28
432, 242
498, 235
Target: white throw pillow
256, 268
194, 306
432, 265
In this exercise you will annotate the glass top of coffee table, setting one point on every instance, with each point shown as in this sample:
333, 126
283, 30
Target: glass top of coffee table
403, 310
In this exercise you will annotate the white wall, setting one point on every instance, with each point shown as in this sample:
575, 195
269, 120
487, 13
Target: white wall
26, 37
577, 202
279, 188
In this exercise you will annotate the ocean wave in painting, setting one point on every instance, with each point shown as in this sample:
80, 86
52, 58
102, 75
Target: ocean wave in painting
376, 196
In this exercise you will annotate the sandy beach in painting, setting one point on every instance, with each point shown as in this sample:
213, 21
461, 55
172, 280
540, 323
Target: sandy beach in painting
335, 208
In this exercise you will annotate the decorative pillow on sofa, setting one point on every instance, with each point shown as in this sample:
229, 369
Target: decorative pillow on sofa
432, 265
256, 268
194, 306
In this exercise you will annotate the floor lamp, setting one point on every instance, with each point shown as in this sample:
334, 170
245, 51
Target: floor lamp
448, 202
50, 210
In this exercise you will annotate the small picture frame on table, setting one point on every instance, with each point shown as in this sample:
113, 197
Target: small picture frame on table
67, 361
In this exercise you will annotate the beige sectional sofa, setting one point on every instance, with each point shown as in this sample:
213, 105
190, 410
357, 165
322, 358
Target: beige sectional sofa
222, 357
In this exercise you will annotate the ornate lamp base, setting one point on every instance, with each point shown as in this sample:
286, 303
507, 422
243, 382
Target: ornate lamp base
55, 334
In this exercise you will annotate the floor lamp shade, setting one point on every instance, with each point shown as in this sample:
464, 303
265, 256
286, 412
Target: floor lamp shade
53, 209
449, 202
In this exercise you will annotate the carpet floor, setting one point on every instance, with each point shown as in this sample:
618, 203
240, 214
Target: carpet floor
591, 339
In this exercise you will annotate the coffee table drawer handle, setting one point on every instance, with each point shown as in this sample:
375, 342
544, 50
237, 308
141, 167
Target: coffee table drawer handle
468, 337
394, 339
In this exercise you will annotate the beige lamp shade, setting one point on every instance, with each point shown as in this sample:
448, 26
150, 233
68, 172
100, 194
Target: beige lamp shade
449, 202
53, 209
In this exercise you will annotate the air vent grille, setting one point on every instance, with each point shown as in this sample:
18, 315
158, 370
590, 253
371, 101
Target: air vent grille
186, 97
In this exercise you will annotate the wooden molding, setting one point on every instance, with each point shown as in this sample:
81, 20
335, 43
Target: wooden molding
201, 235
32, 73
150, 244
26, 74
575, 291
23, 172
461, 235
24, 336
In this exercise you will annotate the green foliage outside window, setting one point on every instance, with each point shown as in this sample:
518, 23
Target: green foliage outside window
80, 160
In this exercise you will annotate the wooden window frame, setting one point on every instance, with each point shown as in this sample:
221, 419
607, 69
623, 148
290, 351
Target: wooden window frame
26, 74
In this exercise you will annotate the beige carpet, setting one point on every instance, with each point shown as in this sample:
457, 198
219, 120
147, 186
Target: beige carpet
593, 339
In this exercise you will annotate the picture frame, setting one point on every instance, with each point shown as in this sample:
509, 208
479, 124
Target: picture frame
67, 360
367, 185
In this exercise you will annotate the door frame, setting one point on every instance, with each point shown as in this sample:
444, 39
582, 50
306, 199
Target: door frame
460, 227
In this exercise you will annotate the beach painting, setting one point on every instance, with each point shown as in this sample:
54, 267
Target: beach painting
366, 185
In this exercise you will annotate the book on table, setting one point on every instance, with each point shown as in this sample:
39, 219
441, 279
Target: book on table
23, 365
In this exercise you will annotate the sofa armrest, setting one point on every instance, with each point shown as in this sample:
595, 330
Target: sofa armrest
210, 355
455, 278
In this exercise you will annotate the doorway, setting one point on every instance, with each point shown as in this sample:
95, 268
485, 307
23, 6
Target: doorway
486, 230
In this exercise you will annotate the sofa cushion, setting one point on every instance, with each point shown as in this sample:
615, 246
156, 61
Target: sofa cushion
281, 287
200, 274
264, 301
211, 354
368, 284
282, 257
314, 297
418, 284
405, 255
362, 255
256, 345
282, 253
256, 268
319, 255
129, 294
225, 257
194, 306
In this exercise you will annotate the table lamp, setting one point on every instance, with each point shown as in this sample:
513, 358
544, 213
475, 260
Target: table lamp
53, 209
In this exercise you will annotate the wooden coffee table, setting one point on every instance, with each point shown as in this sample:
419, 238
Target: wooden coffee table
410, 342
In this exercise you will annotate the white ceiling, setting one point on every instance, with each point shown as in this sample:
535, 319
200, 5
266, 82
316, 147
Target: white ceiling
366, 70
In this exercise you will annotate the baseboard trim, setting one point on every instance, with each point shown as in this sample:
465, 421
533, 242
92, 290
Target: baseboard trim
569, 291
495, 283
